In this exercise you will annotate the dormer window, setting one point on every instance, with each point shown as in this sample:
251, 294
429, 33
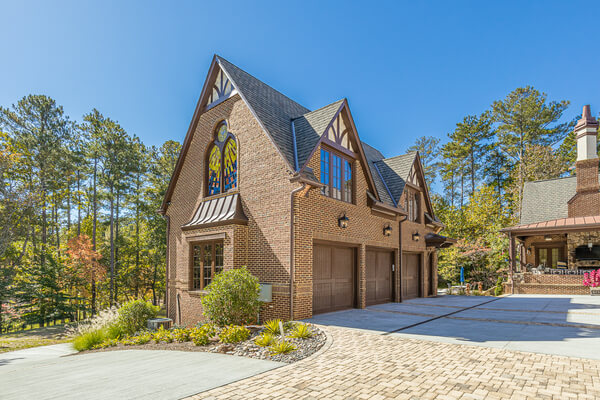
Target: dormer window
336, 175
222, 161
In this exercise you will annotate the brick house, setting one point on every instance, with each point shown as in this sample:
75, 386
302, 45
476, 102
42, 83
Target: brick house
558, 237
321, 218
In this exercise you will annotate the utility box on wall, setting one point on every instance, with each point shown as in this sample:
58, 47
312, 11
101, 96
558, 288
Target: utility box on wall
266, 293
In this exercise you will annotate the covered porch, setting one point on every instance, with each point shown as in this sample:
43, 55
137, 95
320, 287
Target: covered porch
560, 247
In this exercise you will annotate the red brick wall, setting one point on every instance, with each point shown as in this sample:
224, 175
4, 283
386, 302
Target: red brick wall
549, 284
587, 200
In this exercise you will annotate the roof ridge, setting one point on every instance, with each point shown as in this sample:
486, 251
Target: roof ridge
413, 153
553, 179
266, 84
319, 109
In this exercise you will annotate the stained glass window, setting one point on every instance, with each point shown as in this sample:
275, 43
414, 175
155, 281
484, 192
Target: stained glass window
214, 171
230, 166
222, 170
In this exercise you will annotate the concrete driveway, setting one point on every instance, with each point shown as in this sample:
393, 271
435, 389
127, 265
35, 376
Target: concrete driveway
127, 374
558, 325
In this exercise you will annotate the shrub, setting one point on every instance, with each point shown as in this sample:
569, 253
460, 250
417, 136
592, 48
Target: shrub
180, 335
102, 320
498, 289
282, 347
232, 298
201, 335
89, 339
301, 331
265, 339
234, 334
272, 326
133, 317
162, 335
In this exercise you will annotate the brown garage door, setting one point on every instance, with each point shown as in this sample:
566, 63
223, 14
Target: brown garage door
379, 276
410, 276
333, 278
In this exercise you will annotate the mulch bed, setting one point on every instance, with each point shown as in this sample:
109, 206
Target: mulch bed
305, 347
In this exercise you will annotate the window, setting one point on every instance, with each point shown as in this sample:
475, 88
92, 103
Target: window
336, 175
207, 261
222, 171
412, 204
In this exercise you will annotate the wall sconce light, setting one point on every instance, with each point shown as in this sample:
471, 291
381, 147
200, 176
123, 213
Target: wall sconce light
590, 244
416, 236
343, 221
387, 230
529, 250
548, 238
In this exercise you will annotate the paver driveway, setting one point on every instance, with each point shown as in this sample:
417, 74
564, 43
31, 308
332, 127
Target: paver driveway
561, 325
372, 362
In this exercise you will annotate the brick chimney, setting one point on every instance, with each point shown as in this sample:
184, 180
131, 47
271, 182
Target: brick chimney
586, 201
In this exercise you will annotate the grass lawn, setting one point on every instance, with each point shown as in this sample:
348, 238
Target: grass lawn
33, 338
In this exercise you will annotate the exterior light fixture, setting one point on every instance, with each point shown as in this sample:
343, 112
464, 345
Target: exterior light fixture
529, 250
590, 245
416, 236
343, 221
548, 238
387, 230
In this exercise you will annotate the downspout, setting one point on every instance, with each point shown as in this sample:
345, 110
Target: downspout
398, 269
167, 265
292, 252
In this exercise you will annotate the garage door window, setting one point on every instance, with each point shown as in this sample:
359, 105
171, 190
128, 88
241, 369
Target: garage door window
207, 261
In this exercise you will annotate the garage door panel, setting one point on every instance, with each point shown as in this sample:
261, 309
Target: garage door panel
379, 276
410, 276
333, 278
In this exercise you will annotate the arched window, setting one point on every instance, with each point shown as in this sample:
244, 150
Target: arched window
222, 161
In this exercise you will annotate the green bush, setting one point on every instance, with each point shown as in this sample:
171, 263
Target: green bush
181, 335
133, 317
282, 347
234, 334
232, 298
89, 339
201, 335
301, 331
265, 339
162, 335
498, 289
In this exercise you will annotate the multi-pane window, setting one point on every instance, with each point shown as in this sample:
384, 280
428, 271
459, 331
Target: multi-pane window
549, 256
222, 171
412, 206
348, 181
336, 175
325, 172
207, 261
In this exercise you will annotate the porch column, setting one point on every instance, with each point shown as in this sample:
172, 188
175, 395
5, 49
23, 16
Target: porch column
512, 259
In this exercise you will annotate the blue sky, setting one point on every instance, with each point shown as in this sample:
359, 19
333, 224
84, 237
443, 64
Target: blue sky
407, 68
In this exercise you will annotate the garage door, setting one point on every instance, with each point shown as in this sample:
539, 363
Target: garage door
379, 276
410, 276
333, 278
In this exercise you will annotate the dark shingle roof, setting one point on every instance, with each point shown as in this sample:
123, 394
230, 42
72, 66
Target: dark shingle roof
547, 200
273, 109
373, 155
395, 172
310, 127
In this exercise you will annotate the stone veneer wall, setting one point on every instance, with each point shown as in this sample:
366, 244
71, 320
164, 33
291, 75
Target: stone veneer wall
578, 239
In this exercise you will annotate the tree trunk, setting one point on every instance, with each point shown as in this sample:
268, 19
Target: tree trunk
78, 204
94, 205
112, 247
117, 246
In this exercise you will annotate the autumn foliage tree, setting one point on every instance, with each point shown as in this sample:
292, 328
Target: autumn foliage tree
84, 265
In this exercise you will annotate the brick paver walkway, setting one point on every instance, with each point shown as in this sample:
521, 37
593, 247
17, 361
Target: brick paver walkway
361, 365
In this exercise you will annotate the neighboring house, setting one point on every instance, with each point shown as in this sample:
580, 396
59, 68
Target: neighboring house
559, 229
322, 219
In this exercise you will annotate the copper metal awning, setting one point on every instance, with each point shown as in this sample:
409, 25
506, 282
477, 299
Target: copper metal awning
557, 225
438, 241
218, 211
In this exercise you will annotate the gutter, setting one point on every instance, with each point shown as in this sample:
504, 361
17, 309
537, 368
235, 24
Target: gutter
292, 252
168, 219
